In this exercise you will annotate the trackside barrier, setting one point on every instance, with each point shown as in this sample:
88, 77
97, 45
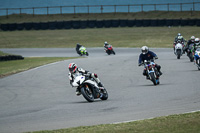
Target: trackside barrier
82, 24
11, 57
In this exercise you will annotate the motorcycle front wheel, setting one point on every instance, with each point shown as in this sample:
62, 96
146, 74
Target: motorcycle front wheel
105, 95
153, 79
87, 94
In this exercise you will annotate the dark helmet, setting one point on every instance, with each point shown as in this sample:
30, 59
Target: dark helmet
72, 67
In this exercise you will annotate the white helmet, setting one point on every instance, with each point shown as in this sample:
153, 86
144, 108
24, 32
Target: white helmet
145, 50
196, 41
105, 42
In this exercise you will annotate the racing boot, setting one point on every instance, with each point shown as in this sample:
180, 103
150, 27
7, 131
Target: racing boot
78, 93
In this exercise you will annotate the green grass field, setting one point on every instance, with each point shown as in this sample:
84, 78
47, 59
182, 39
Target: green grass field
118, 37
184, 123
16, 66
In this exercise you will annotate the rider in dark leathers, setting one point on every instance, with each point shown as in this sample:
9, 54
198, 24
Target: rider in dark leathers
189, 42
148, 55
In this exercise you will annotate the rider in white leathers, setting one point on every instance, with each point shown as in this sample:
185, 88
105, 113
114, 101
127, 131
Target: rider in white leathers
73, 69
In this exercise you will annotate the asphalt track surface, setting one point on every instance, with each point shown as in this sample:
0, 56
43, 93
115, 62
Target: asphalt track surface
42, 98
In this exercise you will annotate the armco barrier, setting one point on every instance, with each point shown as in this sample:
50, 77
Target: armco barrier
99, 24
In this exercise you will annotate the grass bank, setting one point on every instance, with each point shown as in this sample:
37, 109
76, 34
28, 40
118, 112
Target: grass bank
183, 123
100, 16
15, 66
118, 37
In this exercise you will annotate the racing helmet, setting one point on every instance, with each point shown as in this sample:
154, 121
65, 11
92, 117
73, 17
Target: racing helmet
192, 38
145, 50
105, 42
179, 34
196, 41
72, 67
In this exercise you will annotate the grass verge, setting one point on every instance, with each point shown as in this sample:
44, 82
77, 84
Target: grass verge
15, 66
118, 37
183, 123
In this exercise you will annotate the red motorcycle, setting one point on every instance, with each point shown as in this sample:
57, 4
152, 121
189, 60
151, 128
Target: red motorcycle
109, 50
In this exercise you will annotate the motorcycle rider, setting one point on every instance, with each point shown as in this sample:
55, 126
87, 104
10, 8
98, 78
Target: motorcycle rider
180, 40
73, 70
192, 39
78, 47
176, 38
196, 44
106, 45
148, 55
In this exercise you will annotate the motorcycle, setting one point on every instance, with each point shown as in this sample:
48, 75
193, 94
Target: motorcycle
83, 51
190, 52
178, 50
89, 88
109, 50
152, 71
197, 58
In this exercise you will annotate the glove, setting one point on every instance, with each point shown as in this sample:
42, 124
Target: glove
139, 64
156, 57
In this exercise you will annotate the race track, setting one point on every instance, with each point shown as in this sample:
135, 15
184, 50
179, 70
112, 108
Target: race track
42, 98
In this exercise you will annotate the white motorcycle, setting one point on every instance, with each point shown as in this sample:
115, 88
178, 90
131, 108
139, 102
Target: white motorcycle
89, 88
178, 50
197, 58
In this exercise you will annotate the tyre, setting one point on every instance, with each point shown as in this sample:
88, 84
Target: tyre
113, 52
191, 57
105, 95
87, 93
87, 53
153, 79
178, 54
